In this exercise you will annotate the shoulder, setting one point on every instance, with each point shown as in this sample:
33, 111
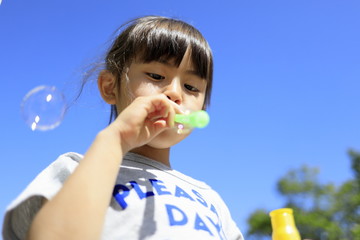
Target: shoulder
45, 185
63, 166
48, 181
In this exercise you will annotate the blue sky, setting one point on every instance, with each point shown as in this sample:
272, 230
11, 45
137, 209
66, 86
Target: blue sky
286, 89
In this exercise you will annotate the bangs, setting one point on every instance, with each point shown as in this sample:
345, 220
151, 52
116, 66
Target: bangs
166, 40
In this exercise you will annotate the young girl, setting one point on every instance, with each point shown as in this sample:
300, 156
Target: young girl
124, 187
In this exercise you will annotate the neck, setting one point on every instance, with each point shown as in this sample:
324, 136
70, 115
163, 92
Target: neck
160, 155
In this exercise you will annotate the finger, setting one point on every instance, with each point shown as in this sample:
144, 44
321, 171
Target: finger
171, 117
171, 109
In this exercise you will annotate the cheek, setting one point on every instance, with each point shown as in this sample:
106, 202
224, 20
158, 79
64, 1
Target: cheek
197, 102
146, 89
132, 90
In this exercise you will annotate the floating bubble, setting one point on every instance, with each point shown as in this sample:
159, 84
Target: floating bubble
43, 108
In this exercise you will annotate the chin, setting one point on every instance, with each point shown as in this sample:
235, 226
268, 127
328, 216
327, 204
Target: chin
167, 139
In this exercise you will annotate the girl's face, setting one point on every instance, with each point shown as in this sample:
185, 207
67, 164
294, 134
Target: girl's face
180, 84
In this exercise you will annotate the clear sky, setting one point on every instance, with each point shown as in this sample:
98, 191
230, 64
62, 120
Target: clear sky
286, 89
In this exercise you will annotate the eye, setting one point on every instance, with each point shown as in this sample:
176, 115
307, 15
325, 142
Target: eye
155, 76
191, 88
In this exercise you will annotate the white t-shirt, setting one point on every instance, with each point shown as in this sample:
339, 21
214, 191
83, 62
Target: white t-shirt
150, 201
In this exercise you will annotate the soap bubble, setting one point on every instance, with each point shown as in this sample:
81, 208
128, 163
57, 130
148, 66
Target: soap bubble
43, 108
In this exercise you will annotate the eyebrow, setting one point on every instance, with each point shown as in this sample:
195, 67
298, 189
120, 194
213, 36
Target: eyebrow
193, 72
167, 63
189, 71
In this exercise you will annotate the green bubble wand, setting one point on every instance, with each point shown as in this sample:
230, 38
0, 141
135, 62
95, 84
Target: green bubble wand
197, 119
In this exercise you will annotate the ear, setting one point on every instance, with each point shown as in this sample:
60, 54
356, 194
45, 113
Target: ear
107, 86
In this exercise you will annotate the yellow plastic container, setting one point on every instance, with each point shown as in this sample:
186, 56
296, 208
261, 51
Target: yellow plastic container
283, 225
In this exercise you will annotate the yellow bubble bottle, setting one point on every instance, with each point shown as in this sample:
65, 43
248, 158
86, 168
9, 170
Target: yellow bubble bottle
283, 225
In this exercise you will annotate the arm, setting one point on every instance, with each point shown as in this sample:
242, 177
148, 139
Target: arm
78, 210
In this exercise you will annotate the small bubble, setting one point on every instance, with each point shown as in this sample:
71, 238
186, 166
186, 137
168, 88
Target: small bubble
43, 108
180, 129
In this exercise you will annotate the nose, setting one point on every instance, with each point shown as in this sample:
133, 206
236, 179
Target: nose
173, 91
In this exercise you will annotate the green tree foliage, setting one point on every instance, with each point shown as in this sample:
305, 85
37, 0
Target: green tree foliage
322, 211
